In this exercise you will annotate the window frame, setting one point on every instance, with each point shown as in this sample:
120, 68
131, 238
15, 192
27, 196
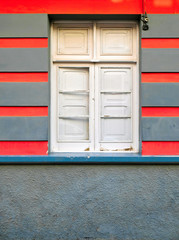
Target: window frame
86, 63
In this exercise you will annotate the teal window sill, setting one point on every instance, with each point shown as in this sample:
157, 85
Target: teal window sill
89, 159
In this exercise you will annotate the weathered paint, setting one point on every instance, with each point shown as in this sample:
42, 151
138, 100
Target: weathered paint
24, 128
24, 77
160, 94
160, 60
89, 202
28, 60
24, 94
23, 148
160, 128
23, 25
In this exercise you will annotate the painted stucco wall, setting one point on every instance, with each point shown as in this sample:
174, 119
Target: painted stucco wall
89, 202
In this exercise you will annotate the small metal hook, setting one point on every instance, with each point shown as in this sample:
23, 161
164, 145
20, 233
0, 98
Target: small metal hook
145, 20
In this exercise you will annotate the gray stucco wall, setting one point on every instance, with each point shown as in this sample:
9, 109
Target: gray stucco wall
89, 202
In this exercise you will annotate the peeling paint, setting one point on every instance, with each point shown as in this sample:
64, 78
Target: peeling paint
87, 149
129, 149
116, 150
104, 149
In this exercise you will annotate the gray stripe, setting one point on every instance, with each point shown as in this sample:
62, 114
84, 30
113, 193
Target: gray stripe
23, 25
160, 129
23, 128
162, 26
24, 94
160, 94
23, 59
160, 60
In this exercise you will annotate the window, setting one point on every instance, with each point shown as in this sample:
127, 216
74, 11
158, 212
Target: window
94, 87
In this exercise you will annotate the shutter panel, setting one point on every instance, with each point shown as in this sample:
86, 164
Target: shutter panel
115, 122
73, 108
73, 104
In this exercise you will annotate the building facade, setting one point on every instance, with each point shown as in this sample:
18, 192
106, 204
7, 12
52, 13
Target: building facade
89, 120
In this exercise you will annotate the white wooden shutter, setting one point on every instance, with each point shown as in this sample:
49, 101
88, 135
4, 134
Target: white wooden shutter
114, 118
74, 108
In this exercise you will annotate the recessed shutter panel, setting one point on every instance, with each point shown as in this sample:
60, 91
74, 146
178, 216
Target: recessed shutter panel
73, 124
115, 106
73, 103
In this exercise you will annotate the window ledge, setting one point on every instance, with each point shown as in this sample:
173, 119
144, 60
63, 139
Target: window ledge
89, 159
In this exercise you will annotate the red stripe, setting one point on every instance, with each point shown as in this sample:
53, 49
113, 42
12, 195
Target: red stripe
24, 77
24, 148
89, 6
23, 42
160, 43
160, 148
160, 77
72, 6
23, 111
160, 111
162, 6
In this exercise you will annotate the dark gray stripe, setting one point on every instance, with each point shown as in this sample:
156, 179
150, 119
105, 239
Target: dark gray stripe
23, 128
160, 60
23, 59
160, 129
162, 26
24, 94
84, 17
23, 25
160, 94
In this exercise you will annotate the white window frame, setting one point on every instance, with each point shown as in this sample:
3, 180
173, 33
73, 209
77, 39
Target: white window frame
93, 61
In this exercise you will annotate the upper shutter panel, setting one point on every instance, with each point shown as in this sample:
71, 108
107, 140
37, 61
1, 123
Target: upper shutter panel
116, 41
72, 42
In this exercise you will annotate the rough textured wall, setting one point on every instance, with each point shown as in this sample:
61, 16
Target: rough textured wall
89, 202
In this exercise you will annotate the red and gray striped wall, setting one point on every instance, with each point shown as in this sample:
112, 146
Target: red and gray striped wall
160, 86
24, 87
